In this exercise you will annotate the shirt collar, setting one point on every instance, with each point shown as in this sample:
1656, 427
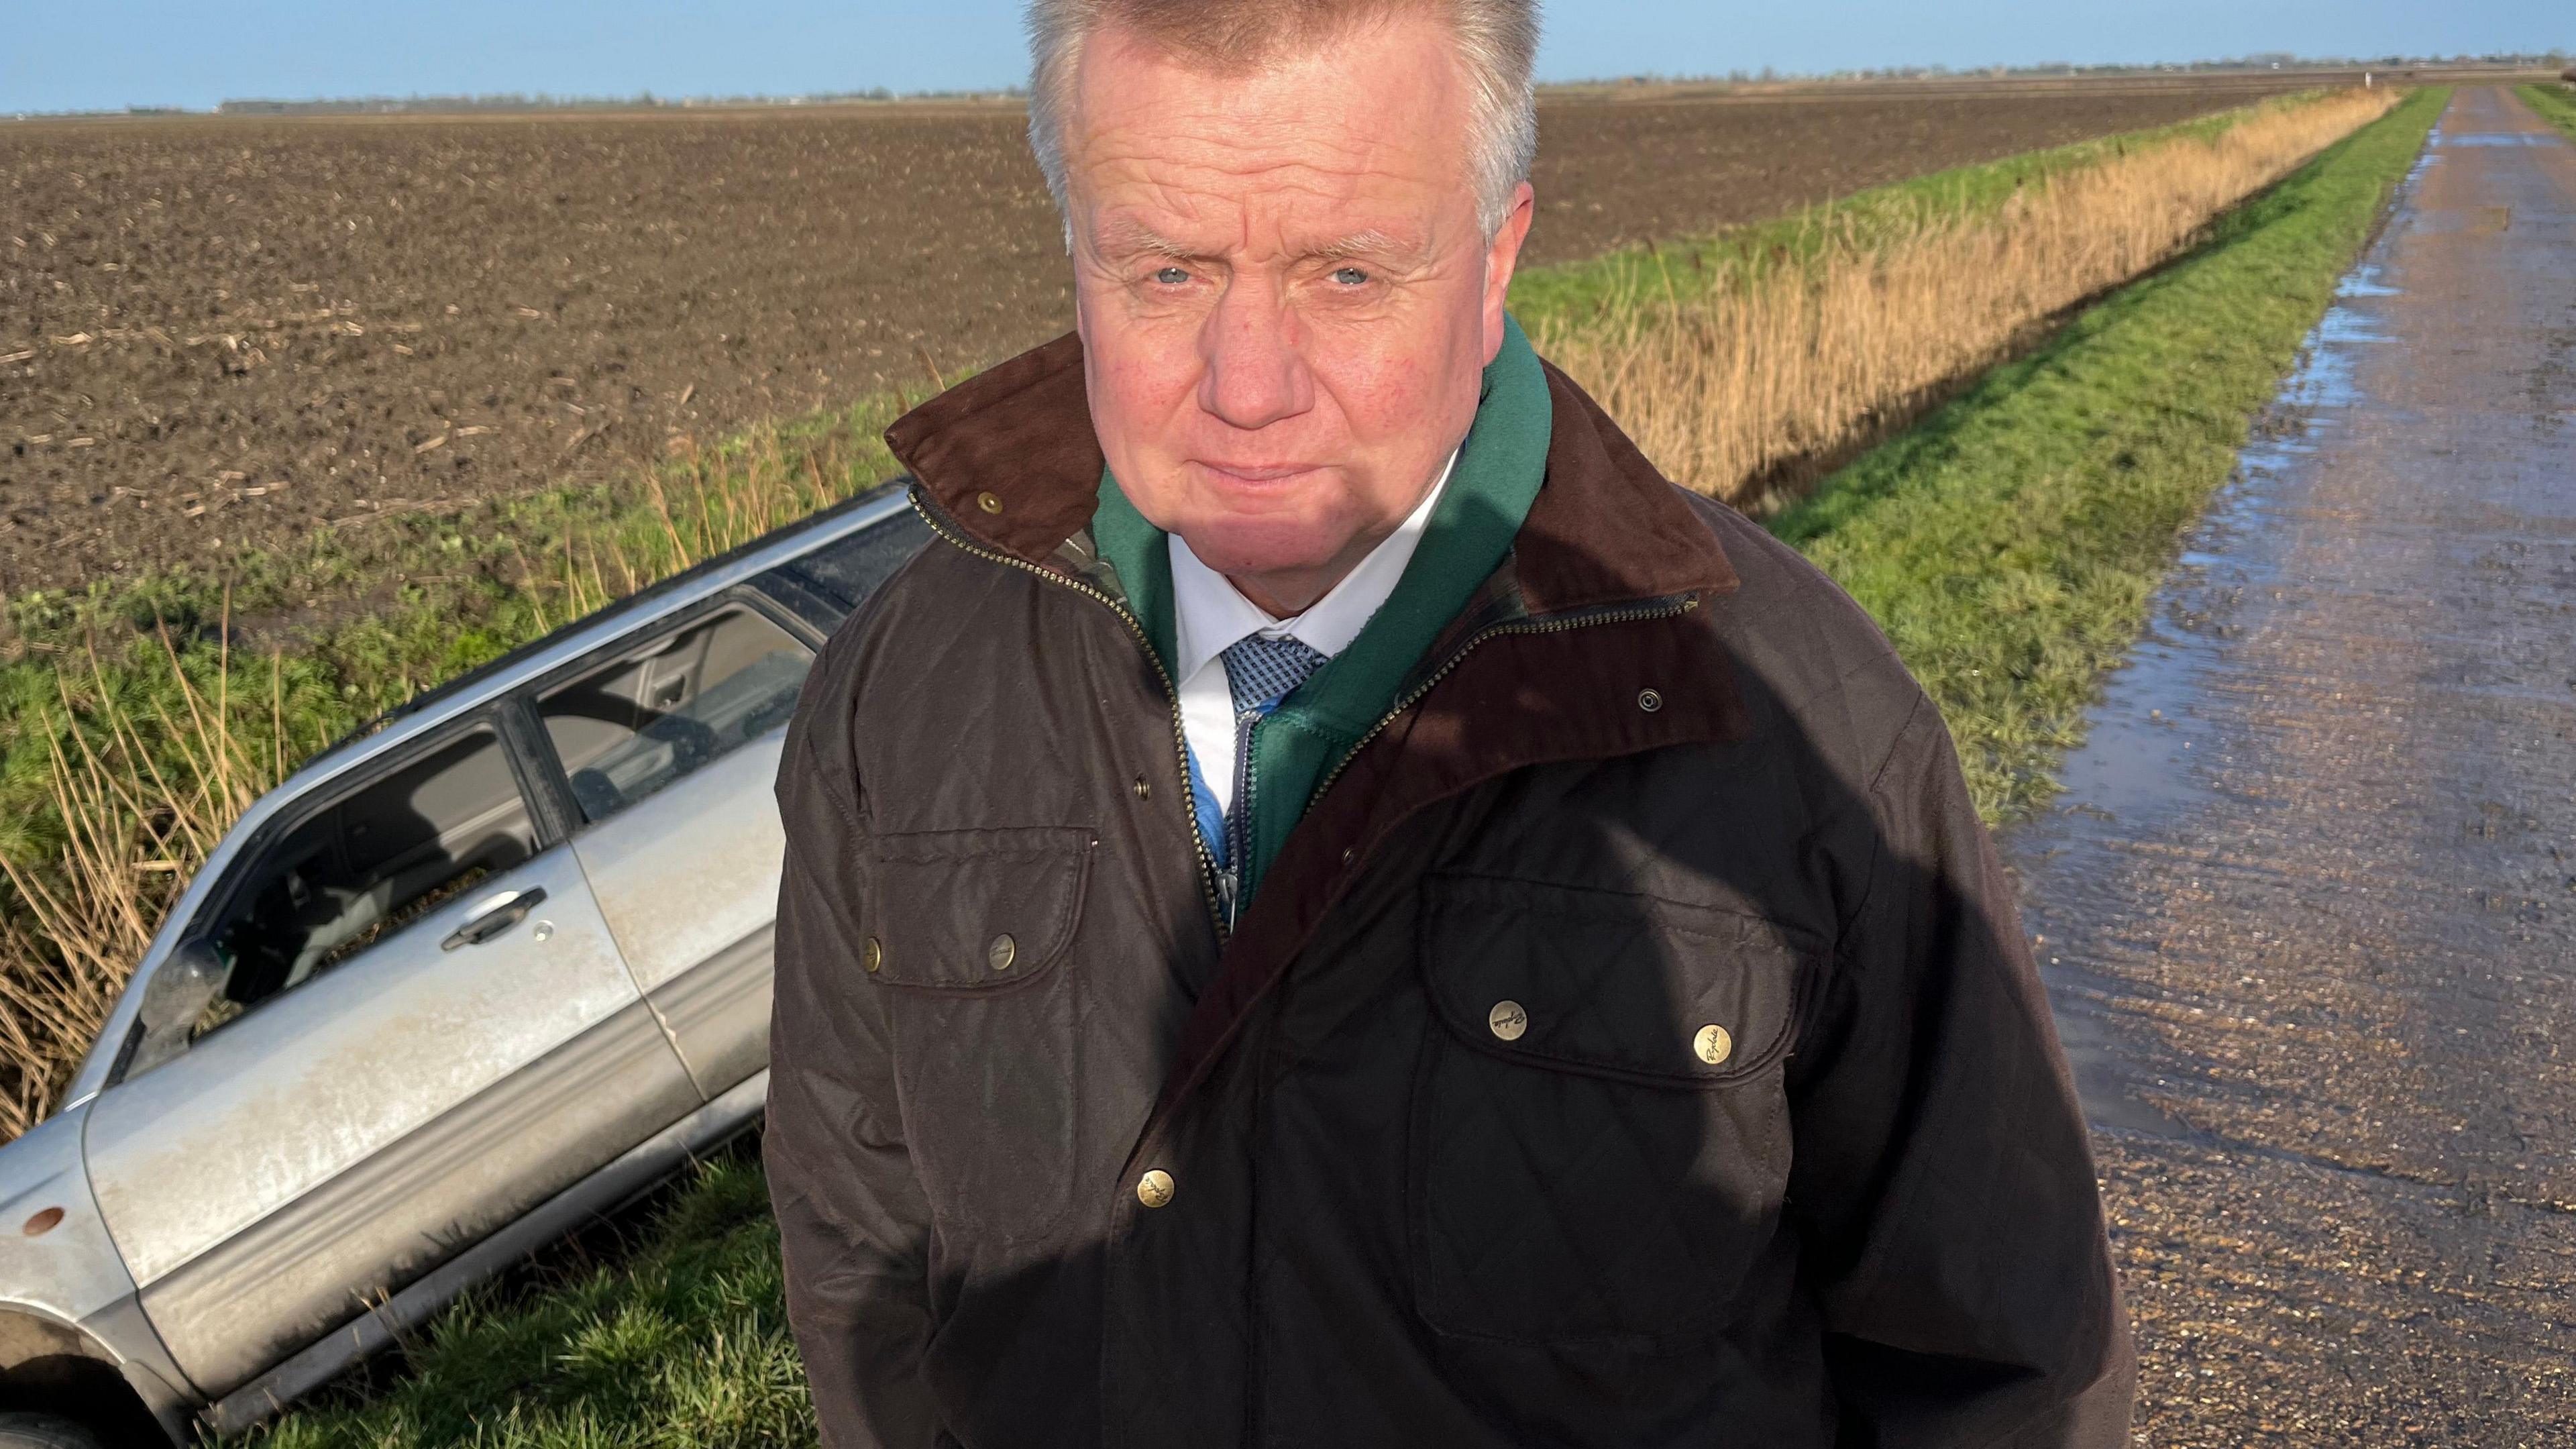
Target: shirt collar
1210, 615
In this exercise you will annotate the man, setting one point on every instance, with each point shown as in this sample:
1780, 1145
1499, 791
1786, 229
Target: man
1332, 905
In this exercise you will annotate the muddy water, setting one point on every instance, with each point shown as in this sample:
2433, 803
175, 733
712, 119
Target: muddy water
2308, 907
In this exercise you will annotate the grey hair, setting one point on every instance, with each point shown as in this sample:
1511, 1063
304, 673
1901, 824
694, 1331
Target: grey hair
1497, 42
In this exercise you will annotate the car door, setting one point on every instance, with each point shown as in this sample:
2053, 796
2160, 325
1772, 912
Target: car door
414, 1025
670, 744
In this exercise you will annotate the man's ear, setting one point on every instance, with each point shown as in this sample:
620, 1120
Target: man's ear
1502, 259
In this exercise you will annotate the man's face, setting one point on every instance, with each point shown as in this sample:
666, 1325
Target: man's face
1286, 302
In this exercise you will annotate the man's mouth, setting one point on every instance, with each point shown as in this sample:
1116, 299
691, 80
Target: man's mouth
1257, 472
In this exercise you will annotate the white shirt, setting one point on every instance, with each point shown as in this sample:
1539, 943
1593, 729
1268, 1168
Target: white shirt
1210, 614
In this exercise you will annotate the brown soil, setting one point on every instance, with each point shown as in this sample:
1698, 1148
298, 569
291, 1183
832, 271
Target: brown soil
221, 333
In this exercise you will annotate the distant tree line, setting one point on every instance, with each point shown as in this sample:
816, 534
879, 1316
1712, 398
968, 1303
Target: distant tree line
2545, 60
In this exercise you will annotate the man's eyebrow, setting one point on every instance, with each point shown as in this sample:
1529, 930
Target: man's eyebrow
1126, 236
1362, 244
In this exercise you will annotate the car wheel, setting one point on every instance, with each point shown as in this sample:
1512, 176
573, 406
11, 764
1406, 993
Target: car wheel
44, 1431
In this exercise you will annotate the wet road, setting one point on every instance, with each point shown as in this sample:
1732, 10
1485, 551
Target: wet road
2308, 908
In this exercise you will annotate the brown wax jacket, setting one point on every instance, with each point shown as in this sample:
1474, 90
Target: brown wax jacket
1633, 1045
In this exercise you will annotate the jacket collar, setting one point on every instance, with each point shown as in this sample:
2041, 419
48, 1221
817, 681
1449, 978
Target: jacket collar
1010, 457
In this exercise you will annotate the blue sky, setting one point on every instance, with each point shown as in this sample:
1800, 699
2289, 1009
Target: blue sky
74, 54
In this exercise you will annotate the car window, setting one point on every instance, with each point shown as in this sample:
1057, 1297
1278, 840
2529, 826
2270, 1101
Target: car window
657, 711
359, 870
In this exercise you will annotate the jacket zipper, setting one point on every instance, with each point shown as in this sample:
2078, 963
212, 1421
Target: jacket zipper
1171, 692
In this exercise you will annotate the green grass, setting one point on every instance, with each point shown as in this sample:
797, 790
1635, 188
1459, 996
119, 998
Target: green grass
2556, 104
2009, 544
684, 1343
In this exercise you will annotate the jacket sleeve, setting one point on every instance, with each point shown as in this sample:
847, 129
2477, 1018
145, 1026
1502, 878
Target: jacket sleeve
853, 1225
1952, 1222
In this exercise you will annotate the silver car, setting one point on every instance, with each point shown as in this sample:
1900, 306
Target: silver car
460, 984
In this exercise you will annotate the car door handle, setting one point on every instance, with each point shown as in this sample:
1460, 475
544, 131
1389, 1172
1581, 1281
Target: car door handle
496, 918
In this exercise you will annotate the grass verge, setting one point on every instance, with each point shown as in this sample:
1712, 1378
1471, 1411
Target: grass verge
2009, 544
2555, 104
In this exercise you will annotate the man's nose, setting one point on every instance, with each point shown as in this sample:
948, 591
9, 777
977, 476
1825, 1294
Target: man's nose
1255, 373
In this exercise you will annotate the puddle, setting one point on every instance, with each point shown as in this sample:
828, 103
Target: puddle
2143, 749
2496, 138
2150, 755
2364, 282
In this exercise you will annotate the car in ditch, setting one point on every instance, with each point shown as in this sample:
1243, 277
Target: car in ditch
487, 969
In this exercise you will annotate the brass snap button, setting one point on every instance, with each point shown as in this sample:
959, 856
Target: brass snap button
1154, 1189
1507, 1020
1713, 1044
989, 502
872, 955
1649, 701
1144, 790
1002, 952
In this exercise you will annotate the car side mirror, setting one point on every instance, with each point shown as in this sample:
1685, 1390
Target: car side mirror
185, 983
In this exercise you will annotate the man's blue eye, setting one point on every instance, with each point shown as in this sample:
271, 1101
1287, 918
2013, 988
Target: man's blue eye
1351, 277
1171, 276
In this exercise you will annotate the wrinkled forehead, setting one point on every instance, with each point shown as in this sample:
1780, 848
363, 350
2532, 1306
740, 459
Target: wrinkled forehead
1377, 116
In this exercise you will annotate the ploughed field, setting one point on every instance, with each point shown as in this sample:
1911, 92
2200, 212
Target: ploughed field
222, 333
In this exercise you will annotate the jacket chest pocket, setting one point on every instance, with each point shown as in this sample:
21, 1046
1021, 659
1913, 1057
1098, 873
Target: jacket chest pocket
1600, 1143
971, 931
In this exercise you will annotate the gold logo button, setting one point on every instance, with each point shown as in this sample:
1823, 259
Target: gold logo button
1002, 952
1713, 1044
872, 955
1154, 1189
1508, 1020
989, 502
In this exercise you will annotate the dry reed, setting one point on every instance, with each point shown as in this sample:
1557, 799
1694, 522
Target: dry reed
1748, 386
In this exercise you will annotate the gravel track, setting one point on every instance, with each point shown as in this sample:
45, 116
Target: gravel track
2308, 908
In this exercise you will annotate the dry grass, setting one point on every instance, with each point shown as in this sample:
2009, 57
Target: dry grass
137, 823
157, 745
1753, 383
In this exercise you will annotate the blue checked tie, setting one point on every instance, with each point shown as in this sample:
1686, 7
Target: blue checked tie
1261, 673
